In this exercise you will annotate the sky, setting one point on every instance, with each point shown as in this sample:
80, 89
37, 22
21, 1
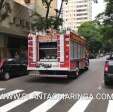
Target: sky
96, 8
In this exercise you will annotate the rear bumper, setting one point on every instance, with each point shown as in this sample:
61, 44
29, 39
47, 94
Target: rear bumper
108, 77
56, 74
46, 75
48, 69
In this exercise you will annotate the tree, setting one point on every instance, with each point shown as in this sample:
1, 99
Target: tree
107, 25
43, 23
91, 31
1, 3
38, 22
108, 21
58, 19
47, 4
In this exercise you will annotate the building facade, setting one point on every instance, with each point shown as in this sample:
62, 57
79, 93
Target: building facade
15, 24
39, 7
42, 10
75, 12
14, 28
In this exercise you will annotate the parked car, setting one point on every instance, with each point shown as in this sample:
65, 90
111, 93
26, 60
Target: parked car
108, 71
13, 67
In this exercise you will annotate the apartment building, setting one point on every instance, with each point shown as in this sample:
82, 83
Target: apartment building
75, 12
14, 28
39, 7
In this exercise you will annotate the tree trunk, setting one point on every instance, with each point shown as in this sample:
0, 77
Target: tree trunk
60, 9
47, 12
57, 18
1, 4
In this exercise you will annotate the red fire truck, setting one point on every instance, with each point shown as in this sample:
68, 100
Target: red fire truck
57, 55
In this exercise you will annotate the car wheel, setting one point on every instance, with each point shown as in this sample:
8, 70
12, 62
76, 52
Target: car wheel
6, 76
86, 68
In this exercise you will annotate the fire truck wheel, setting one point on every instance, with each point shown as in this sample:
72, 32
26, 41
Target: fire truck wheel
86, 68
74, 75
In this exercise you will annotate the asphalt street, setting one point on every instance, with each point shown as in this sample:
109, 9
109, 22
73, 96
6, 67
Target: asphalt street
57, 93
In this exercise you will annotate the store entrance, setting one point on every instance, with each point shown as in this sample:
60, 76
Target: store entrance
16, 45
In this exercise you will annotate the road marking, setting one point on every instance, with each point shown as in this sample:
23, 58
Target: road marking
20, 101
99, 88
110, 106
81, 105
48, 104
1, 89
11, 93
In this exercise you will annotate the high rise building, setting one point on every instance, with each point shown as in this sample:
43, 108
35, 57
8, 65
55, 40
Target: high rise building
75, 12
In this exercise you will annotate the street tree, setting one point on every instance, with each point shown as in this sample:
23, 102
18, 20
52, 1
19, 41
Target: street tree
91, 31
58, 19
1, 3
106, 20
47, 4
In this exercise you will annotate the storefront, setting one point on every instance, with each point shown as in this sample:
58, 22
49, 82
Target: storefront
14, 30
11, 44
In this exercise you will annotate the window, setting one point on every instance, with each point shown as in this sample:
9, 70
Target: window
81, 10
48, 51
82, 14
79, 51
27, 1
79, 6
82, 18
74, 50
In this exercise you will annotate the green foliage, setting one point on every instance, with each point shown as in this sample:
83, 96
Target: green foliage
91, 31
94, 45
107, 26
43, 23
108, 23
40, 23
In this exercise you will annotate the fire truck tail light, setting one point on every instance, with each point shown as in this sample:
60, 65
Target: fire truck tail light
67, 56
67, 45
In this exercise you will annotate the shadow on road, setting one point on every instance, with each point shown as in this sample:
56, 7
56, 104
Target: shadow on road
36, 79
108, 86
50, 80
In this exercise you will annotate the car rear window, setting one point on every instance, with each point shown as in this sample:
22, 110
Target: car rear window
110, 62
